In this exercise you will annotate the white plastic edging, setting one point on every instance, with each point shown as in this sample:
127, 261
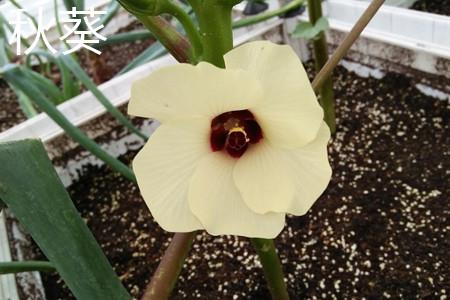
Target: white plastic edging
8, 290
410, 29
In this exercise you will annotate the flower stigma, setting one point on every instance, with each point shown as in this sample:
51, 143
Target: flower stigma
233, 132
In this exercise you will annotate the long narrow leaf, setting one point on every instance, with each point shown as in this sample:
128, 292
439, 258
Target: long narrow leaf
26, 105
71, 87
112, 10
15, 75
88, 83
47, 86
36, 196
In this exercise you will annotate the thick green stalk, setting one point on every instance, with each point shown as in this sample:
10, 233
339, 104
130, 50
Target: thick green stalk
25, 266
272, 268
15, 75
216, 32
166, 275
167, 35
321, 57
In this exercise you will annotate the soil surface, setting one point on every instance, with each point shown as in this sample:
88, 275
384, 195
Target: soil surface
10, 112
380, 231
441, 7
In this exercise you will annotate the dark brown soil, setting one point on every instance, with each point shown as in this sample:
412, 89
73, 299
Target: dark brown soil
381, 230
115, 57
441, 7
10, 112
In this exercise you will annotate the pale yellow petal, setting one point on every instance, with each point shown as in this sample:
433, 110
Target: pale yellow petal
311, 171
289, 112
216, 202
272, 179
164, 167
184, 90
262, 177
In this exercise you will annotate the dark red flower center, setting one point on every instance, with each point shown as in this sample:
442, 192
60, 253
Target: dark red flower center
233, 131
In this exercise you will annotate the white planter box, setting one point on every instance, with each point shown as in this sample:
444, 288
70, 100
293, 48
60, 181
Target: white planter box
415, 30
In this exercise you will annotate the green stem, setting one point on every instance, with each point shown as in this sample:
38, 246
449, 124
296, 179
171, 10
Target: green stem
25, 266
321, 57
215, 30
165, 276
268, 15
191, 31
167, 35
272, 268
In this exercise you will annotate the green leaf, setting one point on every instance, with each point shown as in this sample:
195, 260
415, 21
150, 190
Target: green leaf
15, 75
305, 30
112, 10
71, 87
47, 86
33, 192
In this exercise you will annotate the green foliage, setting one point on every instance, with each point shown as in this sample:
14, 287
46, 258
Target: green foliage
33, 192
15, 74
70, 86
306, 30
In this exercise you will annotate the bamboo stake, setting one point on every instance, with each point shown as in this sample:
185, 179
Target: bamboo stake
343, 48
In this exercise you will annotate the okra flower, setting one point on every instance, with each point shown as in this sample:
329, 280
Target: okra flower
238, 148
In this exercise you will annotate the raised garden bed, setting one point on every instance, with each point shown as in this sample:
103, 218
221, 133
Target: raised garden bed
440, 7
379, 231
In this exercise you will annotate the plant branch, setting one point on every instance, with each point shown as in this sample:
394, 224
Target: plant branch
167, 35
320, 47
26, 266
273, 270
189, 27
343, 48
169, 268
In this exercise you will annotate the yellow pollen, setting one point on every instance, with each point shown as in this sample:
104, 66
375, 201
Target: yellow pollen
241, 130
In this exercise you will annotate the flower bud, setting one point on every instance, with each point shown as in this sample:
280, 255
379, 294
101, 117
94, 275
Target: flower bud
145, 7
